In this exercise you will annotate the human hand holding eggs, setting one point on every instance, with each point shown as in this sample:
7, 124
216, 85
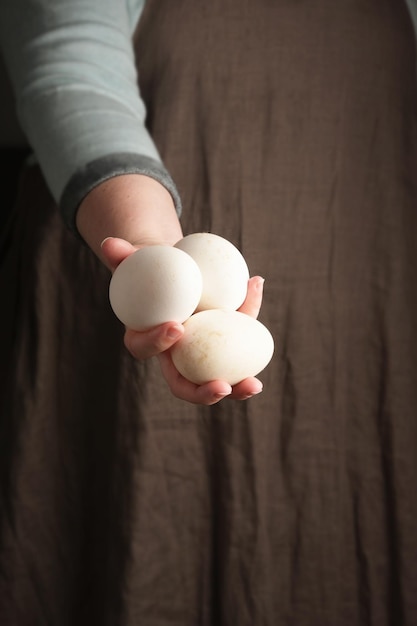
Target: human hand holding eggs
200, 282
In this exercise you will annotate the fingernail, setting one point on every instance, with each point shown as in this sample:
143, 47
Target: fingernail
219, 396
260, 284
174, 332
255, 393
101, 245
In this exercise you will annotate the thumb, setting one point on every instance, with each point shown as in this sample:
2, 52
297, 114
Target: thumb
115, 250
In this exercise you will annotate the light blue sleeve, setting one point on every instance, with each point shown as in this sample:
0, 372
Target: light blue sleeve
72, 67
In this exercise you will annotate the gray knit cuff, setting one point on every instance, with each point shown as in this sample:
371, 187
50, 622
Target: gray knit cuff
104, 168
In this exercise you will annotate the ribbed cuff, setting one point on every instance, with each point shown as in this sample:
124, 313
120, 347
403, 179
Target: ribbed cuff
104, 168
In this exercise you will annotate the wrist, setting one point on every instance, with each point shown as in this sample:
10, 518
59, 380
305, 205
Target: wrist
133, 207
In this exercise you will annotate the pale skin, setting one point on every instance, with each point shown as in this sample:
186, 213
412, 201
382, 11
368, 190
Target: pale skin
124, 214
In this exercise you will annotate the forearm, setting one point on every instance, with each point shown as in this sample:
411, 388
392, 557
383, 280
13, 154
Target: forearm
73, 71
133, 207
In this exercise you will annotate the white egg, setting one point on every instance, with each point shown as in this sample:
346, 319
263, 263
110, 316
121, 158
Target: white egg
226, 345
154, 285
224, 270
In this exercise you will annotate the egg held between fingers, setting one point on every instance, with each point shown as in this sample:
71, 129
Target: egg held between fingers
223, 268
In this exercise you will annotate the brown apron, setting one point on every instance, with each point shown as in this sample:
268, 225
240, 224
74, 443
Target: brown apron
290, 128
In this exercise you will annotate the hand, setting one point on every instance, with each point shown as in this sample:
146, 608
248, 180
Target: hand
216, 390
159, 340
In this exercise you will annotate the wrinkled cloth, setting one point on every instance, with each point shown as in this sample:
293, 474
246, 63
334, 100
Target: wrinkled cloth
290, 128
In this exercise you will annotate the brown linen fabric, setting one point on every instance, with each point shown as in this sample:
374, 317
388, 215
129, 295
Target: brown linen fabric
290, 128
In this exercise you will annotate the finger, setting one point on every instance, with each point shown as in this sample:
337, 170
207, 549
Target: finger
115, 250
253, 301
182, 388
143, 345
246, 389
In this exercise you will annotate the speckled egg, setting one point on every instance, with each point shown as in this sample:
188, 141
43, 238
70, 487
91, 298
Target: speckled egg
219, 344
